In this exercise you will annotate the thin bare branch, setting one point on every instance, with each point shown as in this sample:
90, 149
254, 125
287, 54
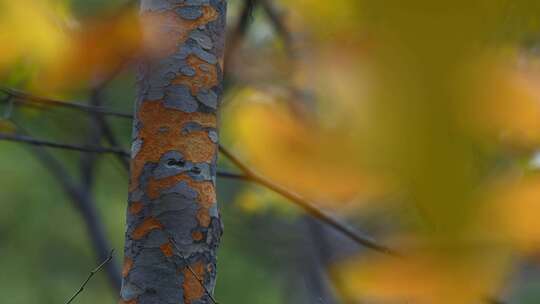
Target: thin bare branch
494, 301
248, 174
97, 129
197, 277
125, 154
318, 213
239, 31
276, 19
90, 275
308, 206
84, 203
231, 175
9, 107
51, 144
108, 133
28, 99
94, 133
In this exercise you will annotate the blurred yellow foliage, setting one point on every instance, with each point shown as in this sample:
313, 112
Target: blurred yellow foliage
97, 48
423, 98
64, 52
340, 17
507, 105
509, 216
297, 153
32, 30
432, 277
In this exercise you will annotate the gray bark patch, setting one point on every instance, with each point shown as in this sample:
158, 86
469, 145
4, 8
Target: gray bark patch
190, 12
155, 5
202, 39
179, 97
136, 147
209, 98
213, 135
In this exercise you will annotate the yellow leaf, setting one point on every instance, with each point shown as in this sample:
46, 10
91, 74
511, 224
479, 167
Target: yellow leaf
433, 277
321, 164
507, 103
510, 214
97, 48
31, 29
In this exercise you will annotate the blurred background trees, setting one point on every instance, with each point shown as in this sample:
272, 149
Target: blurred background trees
417, 123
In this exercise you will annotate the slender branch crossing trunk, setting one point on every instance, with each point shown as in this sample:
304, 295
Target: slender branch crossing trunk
173, 223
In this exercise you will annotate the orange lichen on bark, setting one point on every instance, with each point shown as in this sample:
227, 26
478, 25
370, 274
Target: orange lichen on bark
128, 263
155, 118
206, 76
206, 193
197, 235
193, 289
203, 216
157, 27
132, 301
135, 207
167, 249
198, 147
147, 225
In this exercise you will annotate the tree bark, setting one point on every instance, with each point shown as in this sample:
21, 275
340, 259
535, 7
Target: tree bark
173, 224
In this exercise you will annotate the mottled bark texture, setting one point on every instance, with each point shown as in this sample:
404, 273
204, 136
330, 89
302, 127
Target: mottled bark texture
173, 223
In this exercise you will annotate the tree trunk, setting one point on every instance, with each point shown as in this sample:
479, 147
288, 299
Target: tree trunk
173, 223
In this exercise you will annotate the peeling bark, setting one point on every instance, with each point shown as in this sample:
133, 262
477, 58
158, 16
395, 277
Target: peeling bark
173, 223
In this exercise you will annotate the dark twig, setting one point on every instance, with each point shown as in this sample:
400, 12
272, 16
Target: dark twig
85, 205
197, 277
494, 301
125, 154
317, 213
308, 206
237, 35
9, 108
99, 112
51, 144
231, 175
108, 133
92, 273
26, 98
277, 21
104, 127
94, 134
248, 174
